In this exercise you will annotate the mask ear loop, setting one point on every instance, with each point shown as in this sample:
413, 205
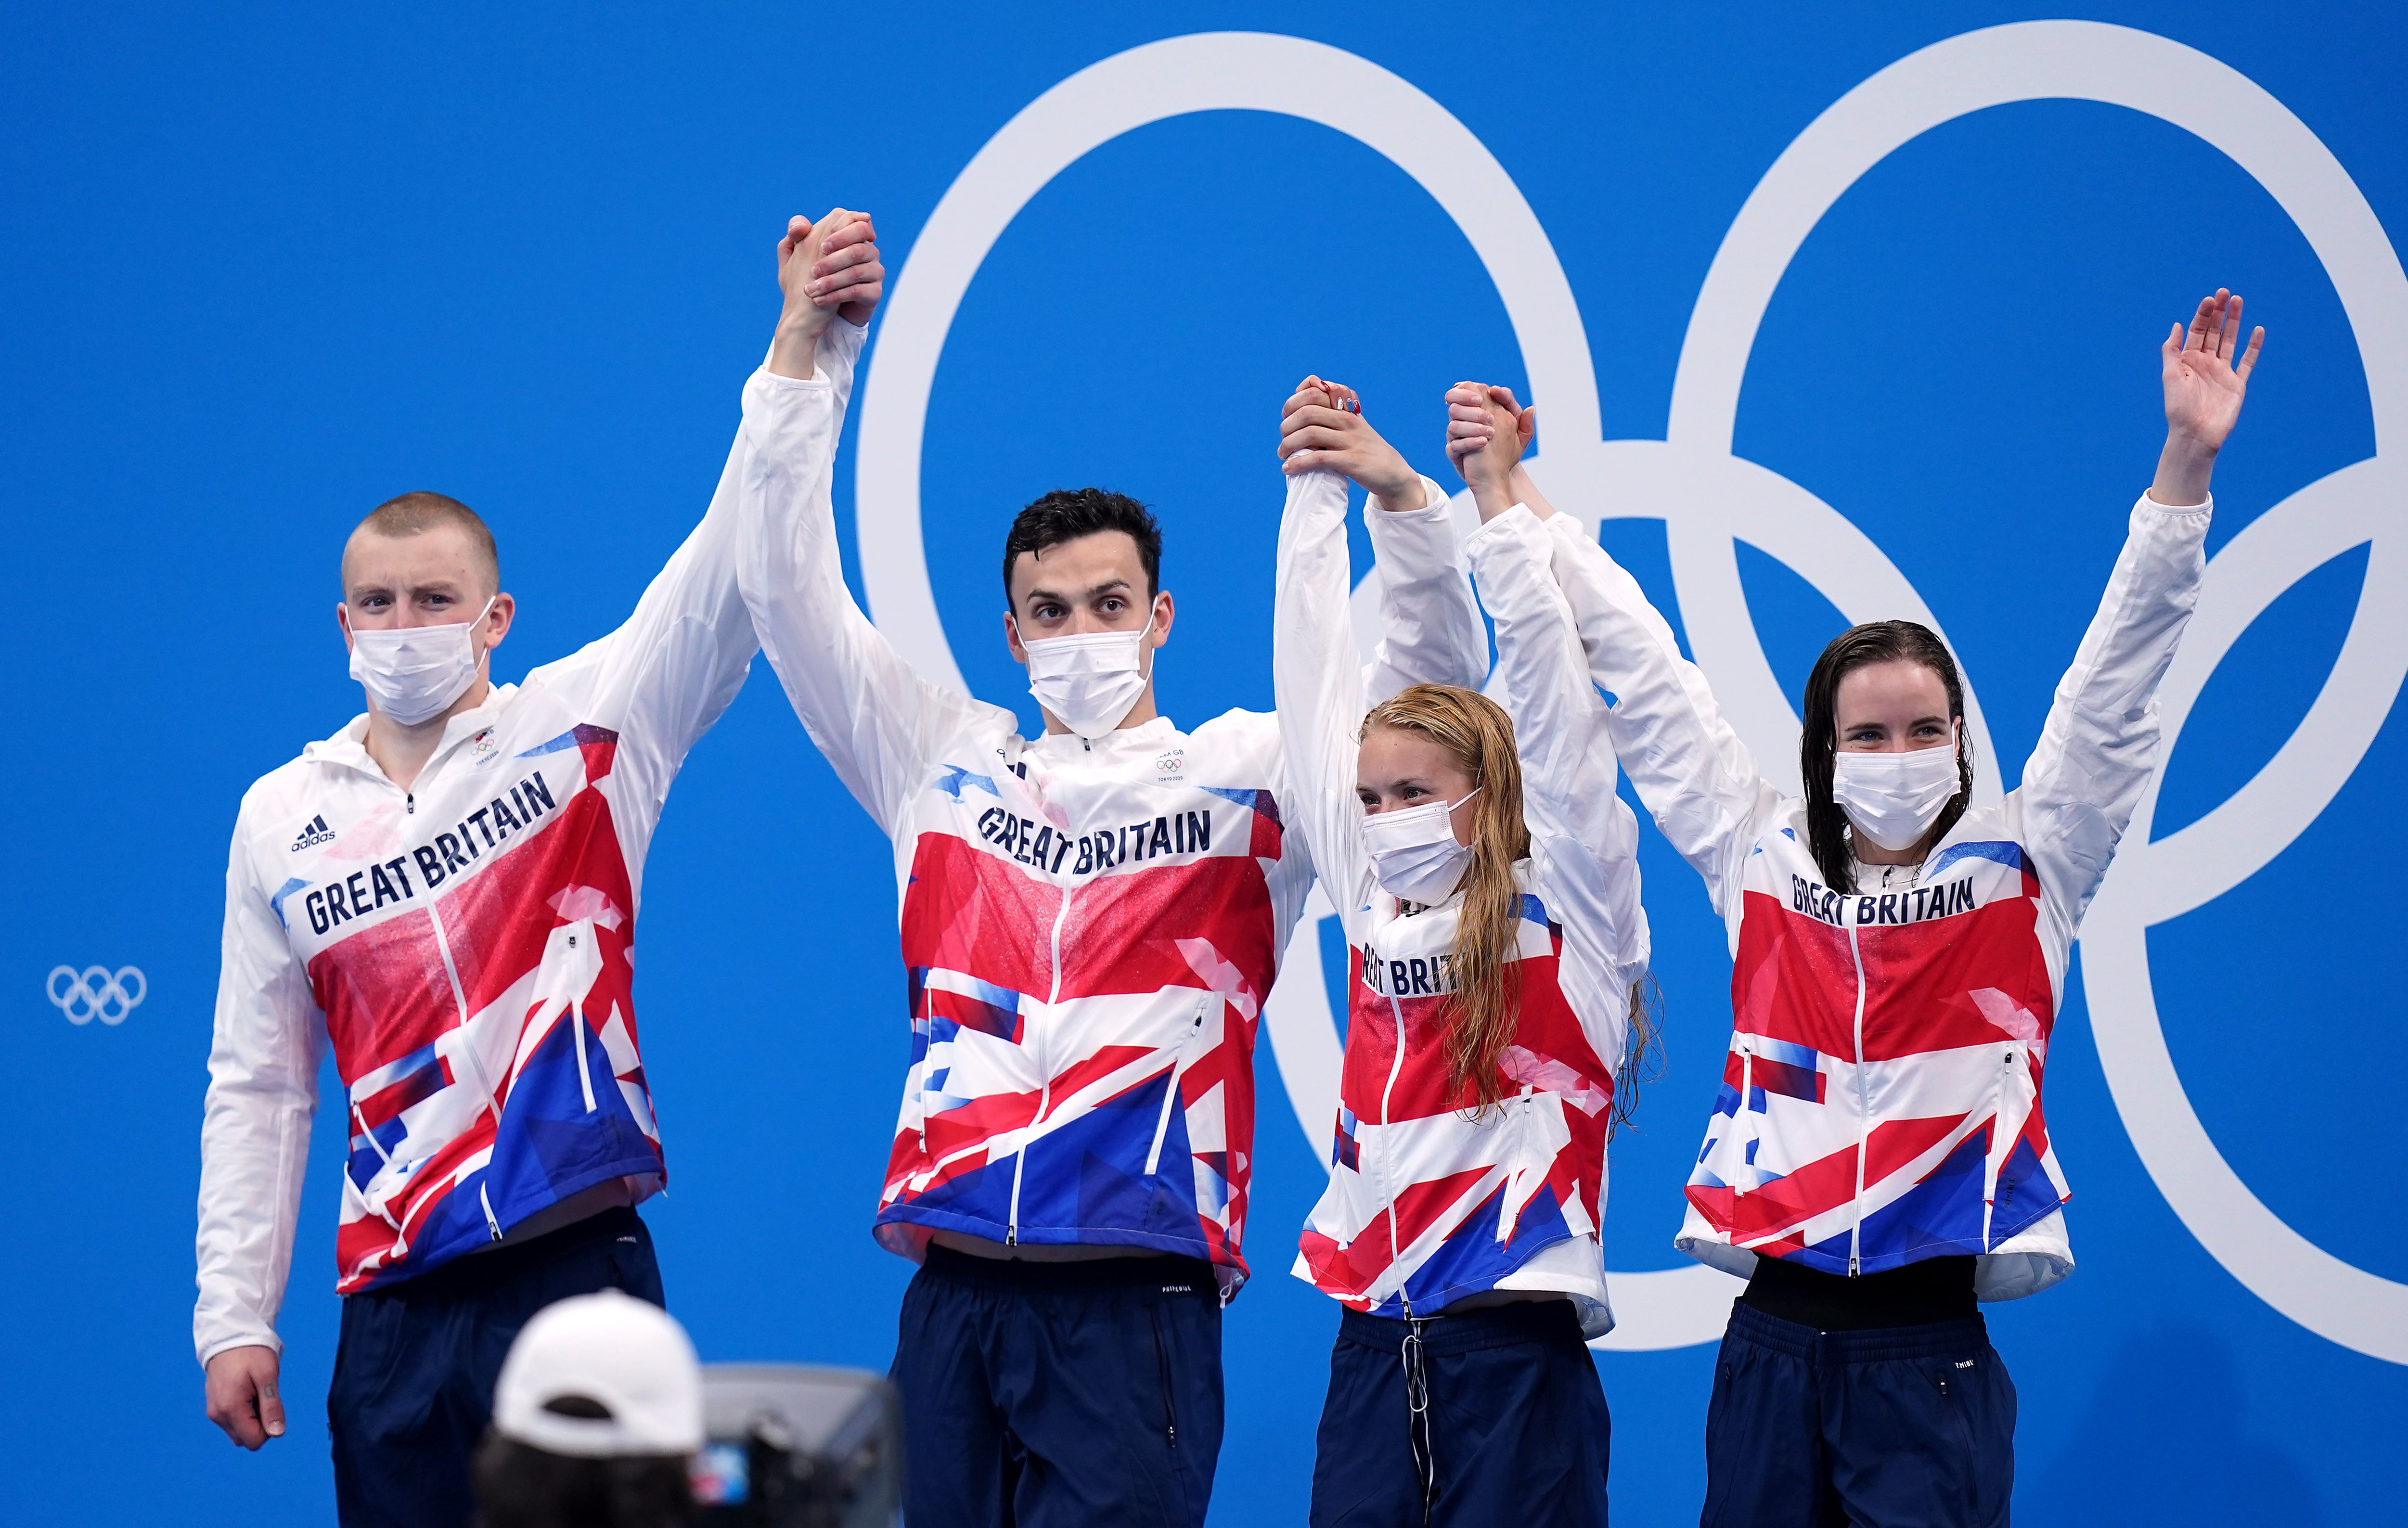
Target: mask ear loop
1144, 665
1450, 806
490, 602
1144, 632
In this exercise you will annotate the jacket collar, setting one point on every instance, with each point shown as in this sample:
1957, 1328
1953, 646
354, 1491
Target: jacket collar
1069, 747
348, 748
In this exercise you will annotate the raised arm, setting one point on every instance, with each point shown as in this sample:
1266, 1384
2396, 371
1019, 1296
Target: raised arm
1429, 624
254, 1144
2098, 746
1697, 779
1317, 686
1583, 839
880, 722
666, 675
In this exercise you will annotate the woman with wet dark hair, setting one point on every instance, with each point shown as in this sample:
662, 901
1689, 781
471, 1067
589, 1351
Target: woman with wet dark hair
1877, 1160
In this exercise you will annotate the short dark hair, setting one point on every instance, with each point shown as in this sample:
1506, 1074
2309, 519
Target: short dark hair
1069, 513
410, 513
522, 1486
1874, 642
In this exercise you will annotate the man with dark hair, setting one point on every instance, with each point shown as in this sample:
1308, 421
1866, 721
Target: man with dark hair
1090, 919
445, 893
1069, 513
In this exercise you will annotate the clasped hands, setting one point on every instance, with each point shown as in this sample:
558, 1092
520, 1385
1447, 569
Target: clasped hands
1321, 429
829, 269
2205, 372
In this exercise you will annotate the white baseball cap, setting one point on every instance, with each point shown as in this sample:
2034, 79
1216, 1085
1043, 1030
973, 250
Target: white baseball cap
625, 1354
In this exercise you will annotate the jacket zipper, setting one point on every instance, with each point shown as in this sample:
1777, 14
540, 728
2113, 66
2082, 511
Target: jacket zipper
1864, 1126
1395, 1066
1044, 1072
460, 1002
1170, 1093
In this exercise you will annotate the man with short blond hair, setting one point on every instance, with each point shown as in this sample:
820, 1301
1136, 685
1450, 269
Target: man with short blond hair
409, 513
445, 893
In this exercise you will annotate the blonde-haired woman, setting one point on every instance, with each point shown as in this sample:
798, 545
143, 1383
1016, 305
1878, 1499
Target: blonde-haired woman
1490, 897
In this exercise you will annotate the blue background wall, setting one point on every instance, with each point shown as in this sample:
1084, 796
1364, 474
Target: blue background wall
260, 271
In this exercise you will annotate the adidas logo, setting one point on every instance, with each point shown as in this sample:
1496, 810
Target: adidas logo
313, 831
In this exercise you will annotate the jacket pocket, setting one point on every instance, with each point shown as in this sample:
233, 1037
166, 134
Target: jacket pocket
2012, 1102
1188, 1045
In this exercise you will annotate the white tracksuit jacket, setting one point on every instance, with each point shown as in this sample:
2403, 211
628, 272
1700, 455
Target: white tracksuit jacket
1881, 1100
464, 946
1430, 1202
1088, 929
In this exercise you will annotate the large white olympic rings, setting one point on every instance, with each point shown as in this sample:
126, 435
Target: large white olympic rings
96, 993
1709, 499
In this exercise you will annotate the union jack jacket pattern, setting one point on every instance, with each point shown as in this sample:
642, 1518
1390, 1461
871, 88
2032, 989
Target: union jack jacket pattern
464, 947
1088, 929
1881, 1103
1432, 1199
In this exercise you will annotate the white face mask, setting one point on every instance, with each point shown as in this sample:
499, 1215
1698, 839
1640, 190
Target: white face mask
413, 672
1413, 853
1892, 799
1091, 680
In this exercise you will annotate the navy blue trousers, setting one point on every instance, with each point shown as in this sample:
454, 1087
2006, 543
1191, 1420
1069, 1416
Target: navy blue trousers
1059, 1394
1518, 1431
414, 1371
1904, 1427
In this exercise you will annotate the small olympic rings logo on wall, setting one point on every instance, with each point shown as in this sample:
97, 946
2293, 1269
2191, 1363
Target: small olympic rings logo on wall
96, 993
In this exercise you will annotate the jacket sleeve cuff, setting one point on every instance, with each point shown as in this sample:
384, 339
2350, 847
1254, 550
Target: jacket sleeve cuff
2150, 500
773, 382
1565, 527
842, 339
264, 1337
1408, 538
1515, 524
1434, 504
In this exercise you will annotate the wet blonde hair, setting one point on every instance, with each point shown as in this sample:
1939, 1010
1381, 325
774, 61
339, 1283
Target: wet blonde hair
1484, 1008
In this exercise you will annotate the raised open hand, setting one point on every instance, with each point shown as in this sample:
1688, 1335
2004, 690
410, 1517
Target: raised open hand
2203, 393
1321, 429
1487, 433
2203, 386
